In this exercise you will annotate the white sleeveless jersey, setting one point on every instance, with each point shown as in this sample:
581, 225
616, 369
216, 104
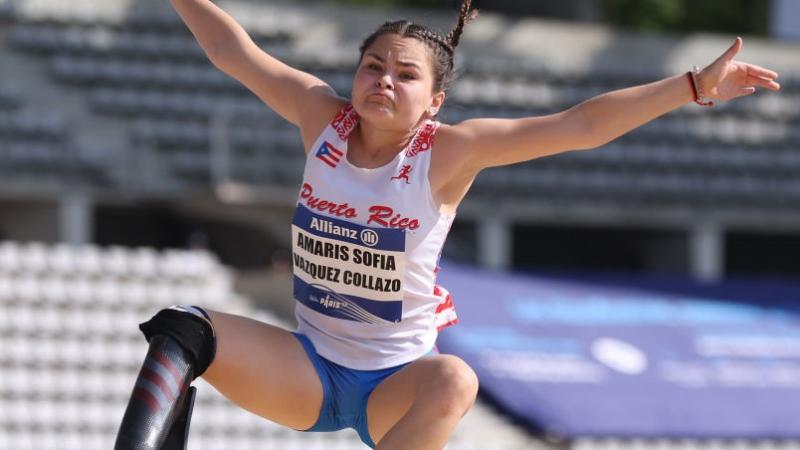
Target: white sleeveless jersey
366, 243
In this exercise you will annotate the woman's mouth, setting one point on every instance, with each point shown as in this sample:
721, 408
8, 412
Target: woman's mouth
381, 98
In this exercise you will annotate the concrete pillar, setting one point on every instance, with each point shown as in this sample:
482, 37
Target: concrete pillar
75, 219
494, 243
707, 252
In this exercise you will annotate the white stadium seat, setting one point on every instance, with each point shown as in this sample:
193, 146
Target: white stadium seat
9, 257
89, 259
33, 258
62, 259
143, 263
71, 347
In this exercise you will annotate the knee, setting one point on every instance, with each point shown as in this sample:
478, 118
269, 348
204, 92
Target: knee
188, 326
452, 385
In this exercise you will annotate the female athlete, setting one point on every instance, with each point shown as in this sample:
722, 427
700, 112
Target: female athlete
382, 183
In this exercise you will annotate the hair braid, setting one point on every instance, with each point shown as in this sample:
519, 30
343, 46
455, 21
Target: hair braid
465, 15
432, 36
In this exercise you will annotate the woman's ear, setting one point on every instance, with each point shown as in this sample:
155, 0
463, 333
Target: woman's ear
436, 103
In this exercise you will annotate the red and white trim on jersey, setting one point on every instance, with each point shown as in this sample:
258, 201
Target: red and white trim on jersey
446, 311
423, 141
345, 121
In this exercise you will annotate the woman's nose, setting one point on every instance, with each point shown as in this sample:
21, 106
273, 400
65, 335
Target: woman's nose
385, 82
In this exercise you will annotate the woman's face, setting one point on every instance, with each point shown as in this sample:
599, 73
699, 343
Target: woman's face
393, 86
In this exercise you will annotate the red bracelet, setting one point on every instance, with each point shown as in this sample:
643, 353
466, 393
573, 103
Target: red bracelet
698, 96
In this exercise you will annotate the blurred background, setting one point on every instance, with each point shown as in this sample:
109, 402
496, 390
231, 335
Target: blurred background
643, 294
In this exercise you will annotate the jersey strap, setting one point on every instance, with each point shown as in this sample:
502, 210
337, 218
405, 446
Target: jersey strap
345, 121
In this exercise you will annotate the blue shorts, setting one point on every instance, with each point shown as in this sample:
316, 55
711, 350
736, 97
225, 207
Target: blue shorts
345, 393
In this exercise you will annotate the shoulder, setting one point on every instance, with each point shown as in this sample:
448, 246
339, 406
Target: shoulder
458, 136
315, 117
448, 134
451, 171
452, 143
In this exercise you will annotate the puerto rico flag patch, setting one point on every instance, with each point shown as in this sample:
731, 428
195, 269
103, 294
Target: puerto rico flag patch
329, 154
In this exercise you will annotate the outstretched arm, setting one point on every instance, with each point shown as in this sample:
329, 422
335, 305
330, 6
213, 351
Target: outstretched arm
496, 142
299, 97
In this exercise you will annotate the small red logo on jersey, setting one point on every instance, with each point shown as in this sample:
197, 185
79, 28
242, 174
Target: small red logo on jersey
404, 174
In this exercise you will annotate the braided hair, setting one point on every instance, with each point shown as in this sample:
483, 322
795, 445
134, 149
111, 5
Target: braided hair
443, 48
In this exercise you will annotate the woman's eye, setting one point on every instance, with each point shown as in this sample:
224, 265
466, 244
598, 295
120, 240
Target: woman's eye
407, 76
373, 66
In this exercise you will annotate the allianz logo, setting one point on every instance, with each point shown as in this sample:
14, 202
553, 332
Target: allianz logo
367, 236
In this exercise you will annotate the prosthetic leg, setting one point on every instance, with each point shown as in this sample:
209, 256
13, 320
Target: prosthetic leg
158, 415
179, 432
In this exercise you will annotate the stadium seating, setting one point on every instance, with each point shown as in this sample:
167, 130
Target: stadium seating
9, 98
71, 347
42, 127
35, 146
141, 66
70, 350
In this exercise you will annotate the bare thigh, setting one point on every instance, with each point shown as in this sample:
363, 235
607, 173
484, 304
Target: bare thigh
264, 370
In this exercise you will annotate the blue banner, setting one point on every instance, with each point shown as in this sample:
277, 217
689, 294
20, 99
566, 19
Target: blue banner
577, 359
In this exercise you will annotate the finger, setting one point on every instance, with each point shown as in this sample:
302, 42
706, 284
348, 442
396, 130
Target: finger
762, 82
758, 71
733, 50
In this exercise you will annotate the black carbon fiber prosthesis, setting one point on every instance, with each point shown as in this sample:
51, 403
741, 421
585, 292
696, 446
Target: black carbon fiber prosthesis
182, 346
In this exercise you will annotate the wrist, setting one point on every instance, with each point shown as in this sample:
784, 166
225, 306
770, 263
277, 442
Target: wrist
697, 81
702, 80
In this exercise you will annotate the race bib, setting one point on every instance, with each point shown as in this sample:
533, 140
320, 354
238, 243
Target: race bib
346, 270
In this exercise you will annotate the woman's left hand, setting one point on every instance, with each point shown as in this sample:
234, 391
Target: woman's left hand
726, 78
